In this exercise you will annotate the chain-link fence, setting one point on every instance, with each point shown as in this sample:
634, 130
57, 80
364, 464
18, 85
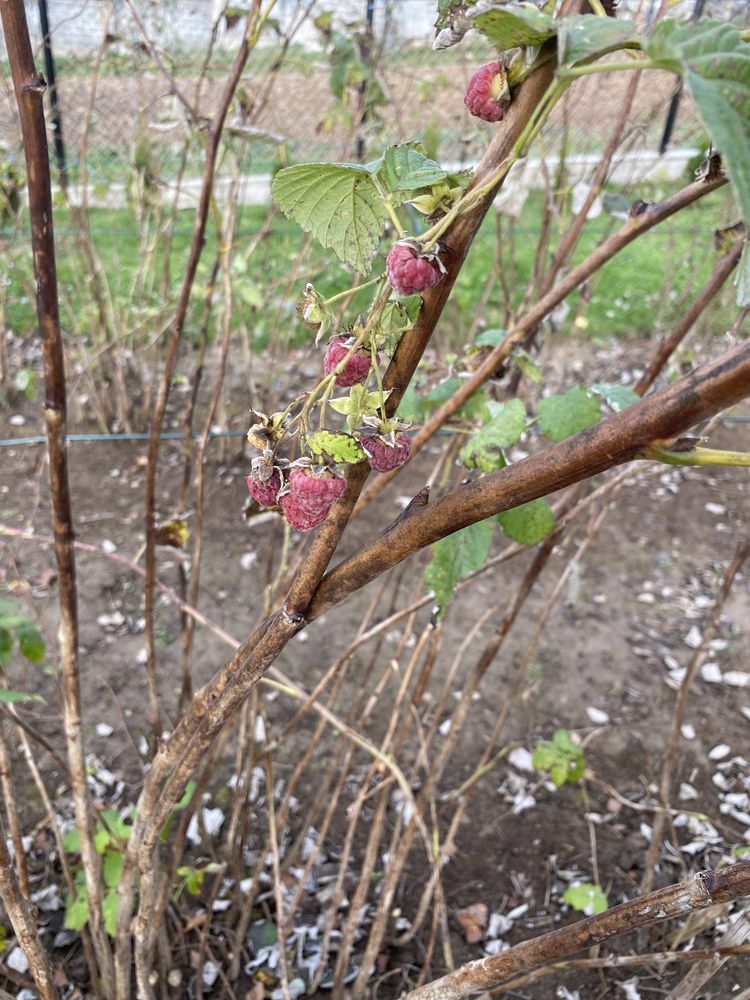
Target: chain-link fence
133, 81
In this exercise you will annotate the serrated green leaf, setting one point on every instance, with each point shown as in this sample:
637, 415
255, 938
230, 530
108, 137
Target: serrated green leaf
110, 909
30, 643
714, 63
512, 24
489, 338
528, 524
406, 168
619, 397
117, 826
561, 416
442, 392
560, 758
582, 36
338, 203
586, 897
410, 407
193, 878
484, 450
455, 557
339, 447
6, 646
12, 696
112, 868
77, 911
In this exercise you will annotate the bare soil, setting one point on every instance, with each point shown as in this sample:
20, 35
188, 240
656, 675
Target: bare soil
646, 581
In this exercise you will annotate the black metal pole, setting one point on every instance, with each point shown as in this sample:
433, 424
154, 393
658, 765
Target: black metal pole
49, 69
674, 104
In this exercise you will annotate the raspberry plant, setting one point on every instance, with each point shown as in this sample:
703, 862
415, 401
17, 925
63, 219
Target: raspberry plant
311, 458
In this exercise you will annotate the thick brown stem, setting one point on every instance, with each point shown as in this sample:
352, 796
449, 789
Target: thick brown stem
21, 915
29, 88
663, 415
675, 901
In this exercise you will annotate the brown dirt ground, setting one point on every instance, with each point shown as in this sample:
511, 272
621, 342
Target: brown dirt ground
603, 648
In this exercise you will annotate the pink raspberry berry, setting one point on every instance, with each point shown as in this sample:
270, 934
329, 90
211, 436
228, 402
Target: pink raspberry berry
409, 272
357, 367
315, 493
384, 456
266, 493
487, 94
298, 518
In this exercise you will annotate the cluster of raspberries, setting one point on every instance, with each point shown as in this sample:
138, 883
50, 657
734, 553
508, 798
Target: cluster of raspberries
307, 494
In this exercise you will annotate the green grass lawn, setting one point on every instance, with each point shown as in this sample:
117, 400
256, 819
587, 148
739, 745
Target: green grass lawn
640, 292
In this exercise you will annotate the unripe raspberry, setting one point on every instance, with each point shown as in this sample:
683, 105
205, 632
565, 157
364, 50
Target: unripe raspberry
487, 95
357, 367
266, 493
384, 456
315, 493
410, 272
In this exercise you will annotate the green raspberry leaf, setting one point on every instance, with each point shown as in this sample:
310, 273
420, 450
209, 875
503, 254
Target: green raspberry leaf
110, 909
507, 25
560, 758
30, 643
410, 407
489, 338
338, 203
528, 524
714, 62
619, 397
8, 697
484, 450
526, 365
77, 910
71, 841
581, 36
406, 168
112, 868
562, 416
586, 897
338, 447
455, 557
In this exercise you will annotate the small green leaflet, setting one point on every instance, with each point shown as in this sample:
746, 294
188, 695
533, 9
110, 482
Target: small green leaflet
13, 696
714, 62
110, 909
582, 36
455, 557
406, 168
561, 416
526, 364
339, 447
489, 338
30, 643
77, 910
338, 203
508, 25
410, 407
528, 524
586, 897
560, 758
112, 868
484, 450
619, 397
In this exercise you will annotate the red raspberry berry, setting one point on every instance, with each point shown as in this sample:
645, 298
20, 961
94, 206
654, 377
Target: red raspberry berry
315, 493
487, 94
357, 367
410, 273
298, 518
266, 493
384, 456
